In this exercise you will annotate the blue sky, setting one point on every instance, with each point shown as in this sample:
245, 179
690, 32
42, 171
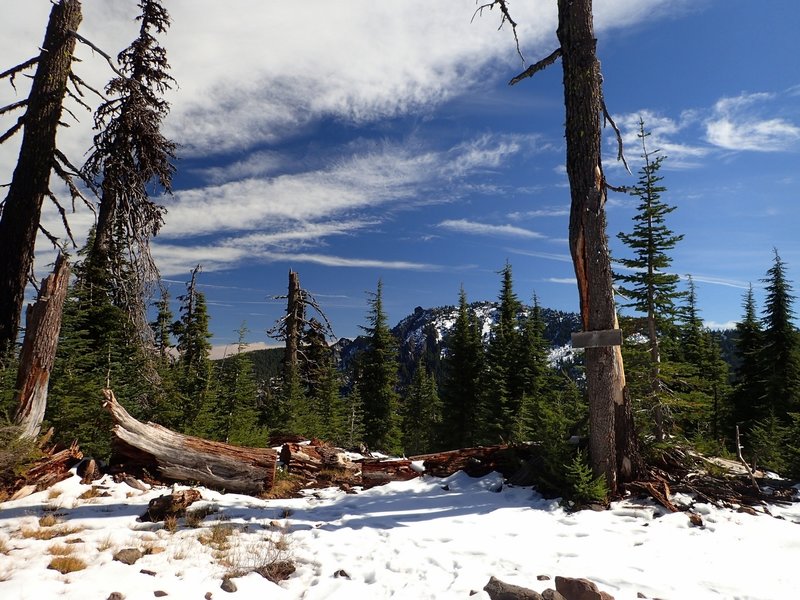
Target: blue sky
359, 140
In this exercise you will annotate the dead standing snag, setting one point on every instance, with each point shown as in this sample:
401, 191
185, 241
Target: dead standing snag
613, 445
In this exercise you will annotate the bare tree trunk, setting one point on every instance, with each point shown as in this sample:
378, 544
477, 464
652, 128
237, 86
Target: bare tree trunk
295, 319
30, 183
605, 376
39, 349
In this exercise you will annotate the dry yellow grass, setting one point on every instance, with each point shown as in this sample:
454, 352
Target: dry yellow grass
49, 520
217, 536
4, 547
66, 564
60, 550
106, 543
92, 492
171, 523
47, 533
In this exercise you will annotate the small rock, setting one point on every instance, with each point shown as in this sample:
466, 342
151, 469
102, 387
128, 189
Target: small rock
640, 595
342, 573
148, 572
500, 590
208, 596
74, 541
543, 577
228, 585
128, 556
551, 594
160, 594
115, 596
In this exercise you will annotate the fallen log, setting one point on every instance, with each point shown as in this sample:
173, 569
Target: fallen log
475, 462
378, 471
183, 458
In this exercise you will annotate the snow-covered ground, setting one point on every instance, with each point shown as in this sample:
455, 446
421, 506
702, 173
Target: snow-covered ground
425, 538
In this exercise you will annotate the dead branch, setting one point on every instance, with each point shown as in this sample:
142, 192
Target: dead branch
14, 129
105, 55
14, 106
620, 154
744, 462
623, 189
506, 17
64, 219
79, 83
13, 71
536, 67
53, 239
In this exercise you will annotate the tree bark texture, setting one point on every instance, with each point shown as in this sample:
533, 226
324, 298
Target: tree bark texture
39, 349
179, 457
30, 183
605, 376
294, 322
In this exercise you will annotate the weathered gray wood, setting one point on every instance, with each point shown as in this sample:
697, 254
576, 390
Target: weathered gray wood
179, 457
597, 339
39, 349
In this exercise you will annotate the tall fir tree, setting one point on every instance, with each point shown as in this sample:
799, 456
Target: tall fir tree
378, 384
323, 384
230, 414
504, 381
535, 372
193, 367
780, 354
701, 377
648, 288
748, 394
462, 410
422, 413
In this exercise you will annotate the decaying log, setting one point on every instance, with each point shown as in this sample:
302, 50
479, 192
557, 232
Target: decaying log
48, 471
43, 324
301, 459
178, 457
475, 462
377, 471
170, 505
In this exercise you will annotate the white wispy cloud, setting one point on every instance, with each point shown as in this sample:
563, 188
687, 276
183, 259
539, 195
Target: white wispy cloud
340, 261
740, 123
554, 211
544, 255
665, 133
565, 280
474, 228
710, 279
